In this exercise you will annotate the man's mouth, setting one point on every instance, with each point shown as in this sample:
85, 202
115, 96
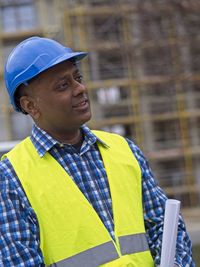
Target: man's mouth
81, 104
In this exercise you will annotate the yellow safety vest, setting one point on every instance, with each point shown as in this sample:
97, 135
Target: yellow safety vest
71, 232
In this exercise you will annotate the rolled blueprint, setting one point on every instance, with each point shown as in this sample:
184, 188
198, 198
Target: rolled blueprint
172, 208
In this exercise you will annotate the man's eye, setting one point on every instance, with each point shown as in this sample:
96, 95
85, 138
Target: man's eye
79, 78
62, 86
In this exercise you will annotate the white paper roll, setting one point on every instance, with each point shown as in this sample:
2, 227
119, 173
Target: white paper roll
172, 208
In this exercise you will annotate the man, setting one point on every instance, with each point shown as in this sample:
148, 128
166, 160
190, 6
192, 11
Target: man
71, 196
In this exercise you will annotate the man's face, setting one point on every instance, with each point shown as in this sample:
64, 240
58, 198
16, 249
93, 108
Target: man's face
60, 98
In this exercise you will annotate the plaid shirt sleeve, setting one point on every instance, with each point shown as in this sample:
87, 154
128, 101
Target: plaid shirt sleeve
19, 244
153, 204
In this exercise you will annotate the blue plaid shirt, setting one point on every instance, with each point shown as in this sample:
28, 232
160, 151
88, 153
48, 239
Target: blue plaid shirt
19, 231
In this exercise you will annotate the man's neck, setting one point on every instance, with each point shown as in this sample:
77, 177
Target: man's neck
77, 139
70, 137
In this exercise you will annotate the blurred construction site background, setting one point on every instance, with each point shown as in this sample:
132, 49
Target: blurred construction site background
142, 73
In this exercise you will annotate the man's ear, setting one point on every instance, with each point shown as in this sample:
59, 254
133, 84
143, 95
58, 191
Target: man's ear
29, 105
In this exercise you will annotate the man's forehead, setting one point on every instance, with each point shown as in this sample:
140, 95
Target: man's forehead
64, 68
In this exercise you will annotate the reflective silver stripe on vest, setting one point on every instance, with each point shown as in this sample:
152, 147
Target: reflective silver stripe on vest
104, 253
130, 244
90, 258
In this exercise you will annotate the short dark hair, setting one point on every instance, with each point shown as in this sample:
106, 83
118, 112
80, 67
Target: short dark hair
22, 91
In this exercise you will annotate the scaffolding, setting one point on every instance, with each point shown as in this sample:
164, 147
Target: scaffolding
144, 80
142, 73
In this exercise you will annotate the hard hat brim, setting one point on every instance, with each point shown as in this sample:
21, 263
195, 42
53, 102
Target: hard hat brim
75, 56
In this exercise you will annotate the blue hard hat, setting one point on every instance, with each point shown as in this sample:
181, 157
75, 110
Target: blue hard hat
31, 57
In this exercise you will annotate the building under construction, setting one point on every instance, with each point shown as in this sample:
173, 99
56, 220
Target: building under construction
142, 73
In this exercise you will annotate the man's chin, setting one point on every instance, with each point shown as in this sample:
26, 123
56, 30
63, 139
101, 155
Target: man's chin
86, 118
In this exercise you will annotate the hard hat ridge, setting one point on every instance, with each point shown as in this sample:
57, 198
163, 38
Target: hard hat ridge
31, 57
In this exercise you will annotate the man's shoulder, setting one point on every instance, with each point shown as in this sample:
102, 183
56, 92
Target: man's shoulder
20, 145
107, 134
5, 164
5, 169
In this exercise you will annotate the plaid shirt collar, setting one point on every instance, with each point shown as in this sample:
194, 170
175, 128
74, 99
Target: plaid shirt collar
43, 142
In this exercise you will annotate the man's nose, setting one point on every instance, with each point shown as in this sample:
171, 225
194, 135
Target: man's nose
78, 88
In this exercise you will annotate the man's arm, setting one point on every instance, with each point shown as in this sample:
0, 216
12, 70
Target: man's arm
19, 242
153, 204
